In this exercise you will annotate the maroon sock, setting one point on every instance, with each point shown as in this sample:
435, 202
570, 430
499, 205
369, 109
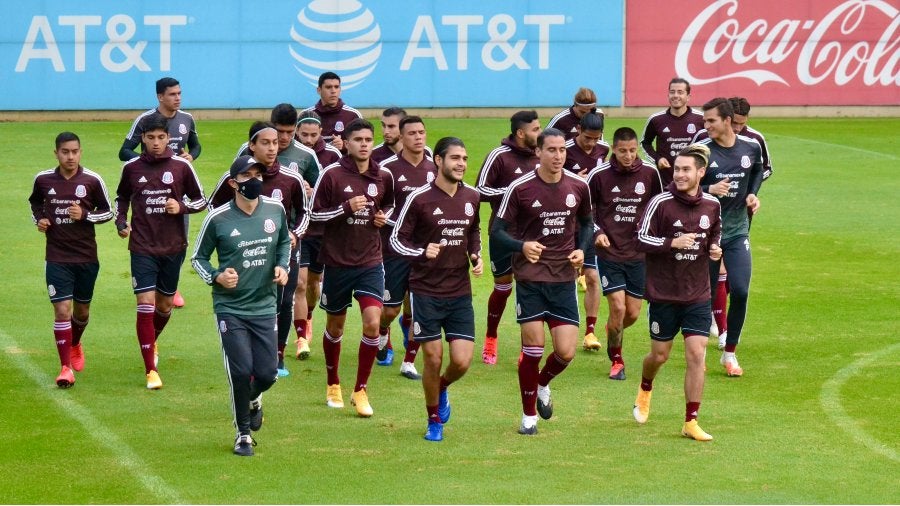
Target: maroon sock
719, 305
444, 383
433, 413
159, 321
646, 384
591, 321
331, 346
146, 334
528, 378
615, 354
690, 411
300, 328
309, 314
552, 368
496, 305
62, 331
78, 330
412, 348
730, 348
368, 348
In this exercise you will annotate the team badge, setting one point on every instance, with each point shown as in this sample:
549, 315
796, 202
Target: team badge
546, 231
429, 177
324, 299
518, 309
417, 329
639, 188
604, 281
372, 190
470, 209
692, 128
167, 177
387, 295
182, 129
51, 290
276, 194
339, 126
704, 222
80, 191
294, 167
133, 282
745, 162
222, 327
570, 200
269, 226
654, 327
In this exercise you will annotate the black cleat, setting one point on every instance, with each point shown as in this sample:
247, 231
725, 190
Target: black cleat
243, 445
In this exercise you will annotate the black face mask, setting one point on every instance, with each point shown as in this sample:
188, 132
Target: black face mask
250, 188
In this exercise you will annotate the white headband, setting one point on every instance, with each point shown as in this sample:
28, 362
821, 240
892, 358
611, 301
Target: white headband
262, 130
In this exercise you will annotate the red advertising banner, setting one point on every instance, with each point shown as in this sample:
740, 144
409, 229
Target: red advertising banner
773, 52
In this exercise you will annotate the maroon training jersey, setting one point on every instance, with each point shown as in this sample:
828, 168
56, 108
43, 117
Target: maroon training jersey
502, 166
430, 215
326, 153
670, 134
619, 196
678, 276
147, 182
547, 213
577, 160
407, 179
351, 239
566, 121
68, 240
334, 119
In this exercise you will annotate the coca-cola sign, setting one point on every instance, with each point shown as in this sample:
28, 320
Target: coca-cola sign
773, 52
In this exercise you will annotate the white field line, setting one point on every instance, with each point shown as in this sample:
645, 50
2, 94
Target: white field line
843, 147
124, 455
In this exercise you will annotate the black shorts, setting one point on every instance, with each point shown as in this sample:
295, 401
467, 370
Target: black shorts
341, 284
454, 315
309, 252
667, 319
501, 260
628, 276
590, 257
396, 280
158, 273
540, 301
71, 281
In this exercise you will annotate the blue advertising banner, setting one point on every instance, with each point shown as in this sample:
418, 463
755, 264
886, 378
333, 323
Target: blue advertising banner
106, 54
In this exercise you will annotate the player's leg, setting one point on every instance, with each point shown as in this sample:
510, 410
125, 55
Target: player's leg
458, 320
530, 299
285, 314
427, 330
720, 304
368, 287
697, 319
85, 280
501, 267
264, 370
301, 308
664, 324
60, 281
561, 303
738, 262
166, 286
144, 274
235, 339
591, 301
336, 298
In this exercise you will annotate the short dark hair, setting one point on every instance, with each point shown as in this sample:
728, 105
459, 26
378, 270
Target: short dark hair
394, 111
699, 152
549, 132
591, 121
258, 126
155, 121
444, 145
65, 137
681, 80
410, 119
520, 119
284, 114
721, 105
165, 83
326, 76
740, 105
624, 134
357, 124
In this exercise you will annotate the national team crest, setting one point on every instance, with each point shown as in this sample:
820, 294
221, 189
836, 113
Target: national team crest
570, 200
691, 129
222, 327
182, 129
372, 190
51, 290
429, 177
339, 126
80, 191
654, 327
167, 177
269, 226
294, 167
639, 188
387, 295
417, 329
745, 162
604, 281
470, 209
276, 194
704, 222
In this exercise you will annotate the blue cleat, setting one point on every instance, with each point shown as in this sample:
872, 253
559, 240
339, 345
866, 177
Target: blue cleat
444, 406
388, 358
435, 431
282, 371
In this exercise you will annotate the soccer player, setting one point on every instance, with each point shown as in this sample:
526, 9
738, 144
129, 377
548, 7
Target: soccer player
285, 185
250, 237
679, 231
352, 199
734, 176
438, 228
334, 113
568, 119
390, 133
292, 154
160, 187
545, 220
66, 203
620, 190
671, 129
410, 169
514, 158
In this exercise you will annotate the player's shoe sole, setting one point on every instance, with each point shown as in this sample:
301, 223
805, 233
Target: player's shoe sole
302, 348
591, 343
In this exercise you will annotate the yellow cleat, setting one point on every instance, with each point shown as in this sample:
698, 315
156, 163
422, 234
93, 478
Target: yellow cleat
302, 348
692, 430
153, 380
641, 409
333, 397
591, 343
361, 400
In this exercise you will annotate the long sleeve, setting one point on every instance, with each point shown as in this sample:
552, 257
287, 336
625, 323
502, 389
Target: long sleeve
203, 249
193, 190
475, 234
102, 211
756, 172
222, 194
193, 144
647, 141
36, 200
403, 230
648, 231
283, 251
123, 200
127, 151
322, 209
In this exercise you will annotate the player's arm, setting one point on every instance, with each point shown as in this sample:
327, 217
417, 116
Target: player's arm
474, 242
647, 140
283, 246
193, 143
301, 208
487, 179
325, 206
102, 211
222, 194
193, 190
123, 200
388, 200
401, 239
127, 151
36, 201
203, 249
756, 171
767, 159
311, 168
649, 230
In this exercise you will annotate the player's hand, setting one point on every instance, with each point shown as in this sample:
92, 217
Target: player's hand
753, 203
379, 219
662, 163
125, 231
42, 225
721, 188
75, 212
532, 251
356, 203
477, 265
432, 250
715, 252
228, 278
602, 241
293, 240
583, 173
187, 156
172, 206
281, 275
684, 241
307, 188
337, 142
576, 258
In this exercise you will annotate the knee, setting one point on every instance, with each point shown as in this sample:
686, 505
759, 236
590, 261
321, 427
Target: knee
433, 360
659, 357
631, 316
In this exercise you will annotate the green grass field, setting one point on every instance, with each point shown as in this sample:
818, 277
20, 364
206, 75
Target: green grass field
813, 420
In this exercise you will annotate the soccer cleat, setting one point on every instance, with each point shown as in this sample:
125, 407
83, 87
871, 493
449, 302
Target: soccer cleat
591, 343
360, 399
282, 370
444, 408
153, 381
256, 413
408, 370
178, 300
617, 371
382, 347
582, 283
544, 402
528, 426
77, 358
243, 445
723, 338
692, 430
388, 358
435, 431
729, 361
489, 352
641, 409
333, 397
66, 377
155, 355
302, 348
